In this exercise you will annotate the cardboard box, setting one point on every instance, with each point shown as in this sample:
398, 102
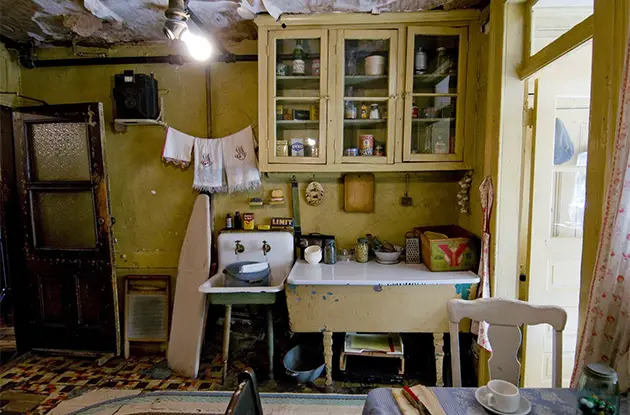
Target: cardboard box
459, 251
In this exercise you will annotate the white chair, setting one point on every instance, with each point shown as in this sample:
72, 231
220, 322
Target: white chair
505, 318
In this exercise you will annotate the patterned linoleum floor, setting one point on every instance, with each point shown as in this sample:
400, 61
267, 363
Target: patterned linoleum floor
57, 378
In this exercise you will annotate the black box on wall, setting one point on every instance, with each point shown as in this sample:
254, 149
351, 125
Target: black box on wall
136, 96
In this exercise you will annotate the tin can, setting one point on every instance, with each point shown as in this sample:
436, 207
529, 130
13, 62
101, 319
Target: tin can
282, 148
415, 112
366, 144
313, 112
379, 150
248, 221
279, 112
316, 67
311, 148
351, 152
282, 69
297, 147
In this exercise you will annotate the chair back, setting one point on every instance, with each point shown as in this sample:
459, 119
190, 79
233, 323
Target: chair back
245, 400
504, 318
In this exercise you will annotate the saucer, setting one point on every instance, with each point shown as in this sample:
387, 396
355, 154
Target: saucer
387, 262
523, 408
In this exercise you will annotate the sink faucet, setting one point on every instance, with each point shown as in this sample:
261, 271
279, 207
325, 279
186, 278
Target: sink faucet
239, 248
266, 248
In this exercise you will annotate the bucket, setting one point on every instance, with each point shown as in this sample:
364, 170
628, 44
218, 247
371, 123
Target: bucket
304, 363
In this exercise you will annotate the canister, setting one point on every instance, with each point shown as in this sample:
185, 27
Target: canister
248, 221
351, 152
361, 250
366, 144
375, 65
316, 67
282, 148
297, 147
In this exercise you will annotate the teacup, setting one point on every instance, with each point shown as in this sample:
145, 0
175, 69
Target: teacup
503, 396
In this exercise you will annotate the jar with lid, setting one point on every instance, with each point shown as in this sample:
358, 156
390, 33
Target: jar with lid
330, 251
350, 112
361, 250
375, 114
598, 390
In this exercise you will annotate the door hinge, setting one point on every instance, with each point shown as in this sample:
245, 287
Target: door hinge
530, 116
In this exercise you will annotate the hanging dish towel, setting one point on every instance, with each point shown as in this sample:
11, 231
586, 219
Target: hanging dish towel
208, 165
177, 147
239, 160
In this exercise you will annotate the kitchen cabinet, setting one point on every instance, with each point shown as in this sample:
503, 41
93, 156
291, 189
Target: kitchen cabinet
355, 92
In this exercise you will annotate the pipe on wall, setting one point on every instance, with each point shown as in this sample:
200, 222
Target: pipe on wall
127, 60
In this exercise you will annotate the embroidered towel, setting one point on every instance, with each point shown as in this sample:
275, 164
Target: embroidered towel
239, 160
208, 165
177, 147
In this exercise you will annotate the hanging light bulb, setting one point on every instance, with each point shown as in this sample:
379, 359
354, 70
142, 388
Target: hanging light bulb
198, 46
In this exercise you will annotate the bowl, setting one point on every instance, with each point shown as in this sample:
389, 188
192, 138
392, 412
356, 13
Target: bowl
388, 256
313, 254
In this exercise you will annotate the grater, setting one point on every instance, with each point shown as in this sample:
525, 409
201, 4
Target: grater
412, 248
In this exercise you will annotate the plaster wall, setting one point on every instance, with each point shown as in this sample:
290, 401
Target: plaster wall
152, 201
9, 77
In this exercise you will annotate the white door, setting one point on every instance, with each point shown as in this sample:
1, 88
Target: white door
561, 105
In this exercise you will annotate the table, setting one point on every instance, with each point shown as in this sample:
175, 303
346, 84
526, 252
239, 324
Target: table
374, 298
461, 401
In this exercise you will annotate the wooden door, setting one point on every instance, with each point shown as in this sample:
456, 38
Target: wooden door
69, 291
560, 134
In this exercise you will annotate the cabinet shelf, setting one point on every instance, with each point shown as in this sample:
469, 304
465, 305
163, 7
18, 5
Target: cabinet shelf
297, 124
363, 122
298, 82
430, 120
364, 80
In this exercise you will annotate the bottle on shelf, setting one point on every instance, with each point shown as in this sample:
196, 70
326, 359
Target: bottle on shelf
228, 222
364, 112
238, 223
298, 63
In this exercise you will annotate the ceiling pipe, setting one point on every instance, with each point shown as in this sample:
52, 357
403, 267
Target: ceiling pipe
132, 60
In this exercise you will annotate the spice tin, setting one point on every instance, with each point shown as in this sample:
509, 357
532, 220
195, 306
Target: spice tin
297, 147
429, 112
248, 221
415, 112
282, 148
366, 144
351, 152
282, 69
279, 112
316, 67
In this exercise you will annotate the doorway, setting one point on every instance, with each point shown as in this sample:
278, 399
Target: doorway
560, 126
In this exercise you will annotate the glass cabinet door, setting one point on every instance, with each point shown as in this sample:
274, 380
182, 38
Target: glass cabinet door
435, 79
365, 96
298, 97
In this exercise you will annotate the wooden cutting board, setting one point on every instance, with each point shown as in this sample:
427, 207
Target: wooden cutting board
358, 190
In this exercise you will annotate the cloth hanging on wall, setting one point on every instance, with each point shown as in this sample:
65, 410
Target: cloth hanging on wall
483, 290
177, 148
606, 334
239, 160
209, 165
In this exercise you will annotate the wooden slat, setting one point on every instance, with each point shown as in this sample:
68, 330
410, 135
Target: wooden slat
575, 37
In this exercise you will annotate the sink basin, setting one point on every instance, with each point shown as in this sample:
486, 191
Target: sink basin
280, 259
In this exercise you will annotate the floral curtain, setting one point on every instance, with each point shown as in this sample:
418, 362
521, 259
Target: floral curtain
606, 334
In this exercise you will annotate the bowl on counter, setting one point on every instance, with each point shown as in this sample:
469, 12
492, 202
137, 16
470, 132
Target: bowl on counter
313, 254
387, 257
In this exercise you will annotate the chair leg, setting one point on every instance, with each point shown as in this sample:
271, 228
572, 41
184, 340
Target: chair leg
227, 322
438, 344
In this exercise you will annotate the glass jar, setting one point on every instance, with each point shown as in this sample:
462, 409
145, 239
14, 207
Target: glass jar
598, 390
330, 252
350, 112
361, 250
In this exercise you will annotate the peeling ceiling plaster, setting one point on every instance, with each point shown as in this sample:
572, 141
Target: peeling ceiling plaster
103, 22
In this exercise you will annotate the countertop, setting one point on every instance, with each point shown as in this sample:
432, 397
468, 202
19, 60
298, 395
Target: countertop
373, 273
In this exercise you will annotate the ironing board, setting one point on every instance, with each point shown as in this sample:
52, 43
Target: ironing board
190, 306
